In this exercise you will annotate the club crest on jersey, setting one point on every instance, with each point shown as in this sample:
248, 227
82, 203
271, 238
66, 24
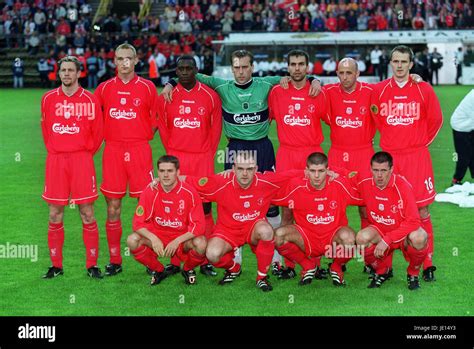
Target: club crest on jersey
137, 102
246, 204
201, 111
167, 210
394, 208
311, 108
139, 211
333, 204
374, 109
180, 211
349, 110
123, 101
320, 207
67, 115
260, 201
363, 110
297, 106
202, 182
381, 207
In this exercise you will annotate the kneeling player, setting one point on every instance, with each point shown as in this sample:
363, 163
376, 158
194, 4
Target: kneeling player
319, 207
169, 220
394, 222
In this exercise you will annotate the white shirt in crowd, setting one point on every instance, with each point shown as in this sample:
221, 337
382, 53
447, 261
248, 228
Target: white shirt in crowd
375, 56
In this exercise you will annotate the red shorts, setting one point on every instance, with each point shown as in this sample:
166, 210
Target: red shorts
194, 164
394, 245
70, 177
124, 163
288, 158
316, 246
166, 238
352, 159
235, 238
417, 168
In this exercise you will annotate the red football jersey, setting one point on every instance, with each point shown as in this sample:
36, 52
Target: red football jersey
238, 207
392, 209
175, 213
192, 122
319, 211
71, 123
129, 109
406, 117
350, 120
297, 115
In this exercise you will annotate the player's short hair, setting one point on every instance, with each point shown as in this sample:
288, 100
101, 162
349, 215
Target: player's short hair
127, 46
317, 158
241, 54
72, 59
382, 156
298, 53
186, 58
403, 49
169, 159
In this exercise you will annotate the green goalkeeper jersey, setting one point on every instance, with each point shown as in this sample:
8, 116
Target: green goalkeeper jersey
244, 108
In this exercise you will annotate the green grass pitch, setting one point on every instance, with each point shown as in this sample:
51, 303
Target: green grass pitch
24, 217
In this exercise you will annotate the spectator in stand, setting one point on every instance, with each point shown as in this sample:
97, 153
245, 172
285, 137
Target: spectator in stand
331, 23
18, 70
329, 66
363, 21
418, 22
92, 63
43, 70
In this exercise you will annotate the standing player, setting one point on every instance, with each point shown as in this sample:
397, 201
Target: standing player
242, 202
408, 117
298, 123
246, 116
72, 125
394, 222
168, 221
319, 206
128, 103
190, 129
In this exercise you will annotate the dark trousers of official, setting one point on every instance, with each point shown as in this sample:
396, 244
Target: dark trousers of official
458, 73
464, 146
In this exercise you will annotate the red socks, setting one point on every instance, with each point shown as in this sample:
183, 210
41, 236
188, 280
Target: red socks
146, 256
428, 226
227, 262
381, 265
193, 260
55, 243
114, 234
264, 253
291, 251
90, 235
415, 259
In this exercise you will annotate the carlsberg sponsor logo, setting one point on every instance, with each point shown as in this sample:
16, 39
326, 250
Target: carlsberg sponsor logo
340, 121
400, 113
311, 218
246, 119
296, 121
122, 114
243, 217
65, 129
382, 219
183, 123
168, 223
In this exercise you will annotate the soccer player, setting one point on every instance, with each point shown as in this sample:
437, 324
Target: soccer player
298, 123
408, 117
72, 126
242, 202
246, 116
128, 103
321, 228
190, 129
394, 222
169, 221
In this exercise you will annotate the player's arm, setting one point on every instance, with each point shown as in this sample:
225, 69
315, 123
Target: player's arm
153, 109
216, 123
97, 124
324, 107
207, 187
142, 220
434, 114
44, 127
282, 178
162, 121
284, 197
351, 194
412, 218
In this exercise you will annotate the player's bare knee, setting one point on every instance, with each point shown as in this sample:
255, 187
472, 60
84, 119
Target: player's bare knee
213, 255
280, 234
346, 237
418, 239
87, 213
265, 232
362, 239
133, 241
199, 244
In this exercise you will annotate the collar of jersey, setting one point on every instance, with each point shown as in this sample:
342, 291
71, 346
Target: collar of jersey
244, 86
78, 92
